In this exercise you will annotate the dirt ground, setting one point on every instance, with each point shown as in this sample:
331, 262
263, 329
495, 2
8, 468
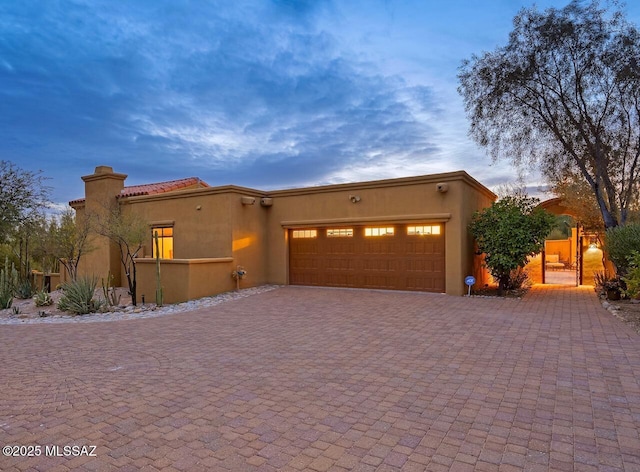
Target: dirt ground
629, 311
26, 309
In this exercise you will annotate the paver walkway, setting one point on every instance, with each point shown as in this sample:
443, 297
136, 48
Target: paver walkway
331, 380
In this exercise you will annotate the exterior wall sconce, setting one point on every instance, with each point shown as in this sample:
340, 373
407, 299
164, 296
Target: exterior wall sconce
354, 198
239, 274
442, 187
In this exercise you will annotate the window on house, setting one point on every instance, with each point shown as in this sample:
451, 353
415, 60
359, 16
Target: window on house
340, 233
423, 229
304, 233
165, 242
380, 231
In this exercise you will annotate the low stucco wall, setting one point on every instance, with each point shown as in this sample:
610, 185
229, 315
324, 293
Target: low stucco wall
53, 279
186, 279
534, 269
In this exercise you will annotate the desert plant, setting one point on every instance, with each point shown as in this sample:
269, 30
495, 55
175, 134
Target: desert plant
78, 298
24, 289
159, 294
109, 292
8, 282
42, 298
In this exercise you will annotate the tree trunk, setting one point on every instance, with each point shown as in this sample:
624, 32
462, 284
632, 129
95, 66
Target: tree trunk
503, 281
134, 286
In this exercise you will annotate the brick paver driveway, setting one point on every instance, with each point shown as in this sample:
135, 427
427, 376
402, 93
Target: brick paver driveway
321, 379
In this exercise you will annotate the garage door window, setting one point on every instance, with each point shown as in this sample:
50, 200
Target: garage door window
423, 230
304, 233
379, 231
340, 233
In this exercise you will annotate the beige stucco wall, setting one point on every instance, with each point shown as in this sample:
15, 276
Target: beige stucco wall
215, 222
396, 200
210, 223
102, 257
185, 279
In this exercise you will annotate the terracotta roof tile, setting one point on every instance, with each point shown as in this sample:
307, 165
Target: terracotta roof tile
162, 187
155, 188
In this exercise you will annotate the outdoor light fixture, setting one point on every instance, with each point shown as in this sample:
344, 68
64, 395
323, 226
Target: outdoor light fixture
354, 198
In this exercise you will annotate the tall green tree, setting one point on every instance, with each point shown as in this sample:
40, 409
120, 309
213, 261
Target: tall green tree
23, 194
564, 93
508, 232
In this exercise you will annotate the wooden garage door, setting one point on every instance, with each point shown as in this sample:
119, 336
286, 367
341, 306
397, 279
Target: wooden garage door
399, 257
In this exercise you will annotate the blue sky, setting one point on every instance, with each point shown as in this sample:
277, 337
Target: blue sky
265, 94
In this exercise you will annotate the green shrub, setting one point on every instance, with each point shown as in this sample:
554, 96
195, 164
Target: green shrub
620, 243
42, 298
508, 232
632, 279
77, 296
24, 289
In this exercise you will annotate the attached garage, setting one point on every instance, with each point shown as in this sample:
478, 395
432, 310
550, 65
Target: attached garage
382, 256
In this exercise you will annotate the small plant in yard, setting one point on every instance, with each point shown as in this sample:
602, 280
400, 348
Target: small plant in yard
632, 279
24, 289
77, 296
609, 287
110, 293
42, 298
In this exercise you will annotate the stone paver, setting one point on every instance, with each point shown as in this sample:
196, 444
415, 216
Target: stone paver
331, 380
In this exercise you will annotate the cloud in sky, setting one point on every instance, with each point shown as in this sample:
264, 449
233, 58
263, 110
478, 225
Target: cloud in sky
269, 94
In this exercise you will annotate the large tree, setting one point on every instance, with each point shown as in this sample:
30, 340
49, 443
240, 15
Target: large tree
564, 93
23, 194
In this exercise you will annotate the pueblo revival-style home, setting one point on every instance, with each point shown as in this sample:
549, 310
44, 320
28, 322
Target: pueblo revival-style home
403, 234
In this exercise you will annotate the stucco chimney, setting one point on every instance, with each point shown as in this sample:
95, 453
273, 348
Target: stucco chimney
101, 190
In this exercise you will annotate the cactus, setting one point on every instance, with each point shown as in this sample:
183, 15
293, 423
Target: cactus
8, 282
159, 294
109, 292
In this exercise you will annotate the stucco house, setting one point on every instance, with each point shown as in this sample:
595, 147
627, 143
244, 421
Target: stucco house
404, 234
